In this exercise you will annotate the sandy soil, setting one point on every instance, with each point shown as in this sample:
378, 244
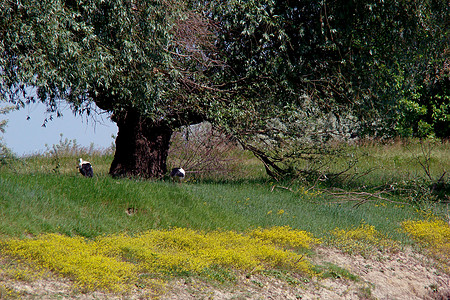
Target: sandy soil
404, 275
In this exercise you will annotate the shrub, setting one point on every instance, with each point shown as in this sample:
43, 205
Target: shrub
204, 151
6, 154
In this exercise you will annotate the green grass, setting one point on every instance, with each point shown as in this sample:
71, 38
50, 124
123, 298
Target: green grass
73, 205
43, 194
393, 162
330, 270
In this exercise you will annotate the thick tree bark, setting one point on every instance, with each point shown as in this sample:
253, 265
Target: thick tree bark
142, 146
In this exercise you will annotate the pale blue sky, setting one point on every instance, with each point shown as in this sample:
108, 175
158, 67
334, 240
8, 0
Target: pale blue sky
25, 137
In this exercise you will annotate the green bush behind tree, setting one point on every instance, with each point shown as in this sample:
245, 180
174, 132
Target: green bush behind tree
424, 111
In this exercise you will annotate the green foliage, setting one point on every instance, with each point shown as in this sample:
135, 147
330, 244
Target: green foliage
426, 112
6, 155
322, 70
334, 53
290, 75
333, 271
93, 52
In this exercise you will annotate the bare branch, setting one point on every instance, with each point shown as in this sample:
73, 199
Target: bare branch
361, 197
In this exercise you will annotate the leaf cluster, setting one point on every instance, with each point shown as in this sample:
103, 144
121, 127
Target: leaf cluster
119, 54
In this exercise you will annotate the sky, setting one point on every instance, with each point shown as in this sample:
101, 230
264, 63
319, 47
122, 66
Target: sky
27, 137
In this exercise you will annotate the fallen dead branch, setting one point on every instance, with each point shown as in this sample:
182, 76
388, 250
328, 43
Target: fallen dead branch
361, 197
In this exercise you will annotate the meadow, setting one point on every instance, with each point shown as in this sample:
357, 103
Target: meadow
114, 235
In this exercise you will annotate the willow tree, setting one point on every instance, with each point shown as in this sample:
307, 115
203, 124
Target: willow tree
266, 71
140, 60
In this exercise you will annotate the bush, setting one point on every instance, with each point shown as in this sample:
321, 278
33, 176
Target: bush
6, 155
203, 151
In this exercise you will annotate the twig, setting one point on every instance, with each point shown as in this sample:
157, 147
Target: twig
282, 187
363, 197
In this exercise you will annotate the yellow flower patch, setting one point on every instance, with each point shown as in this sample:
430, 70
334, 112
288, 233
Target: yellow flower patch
364, 240
186, 250
286, 236
76, 258
115, 262
434, 235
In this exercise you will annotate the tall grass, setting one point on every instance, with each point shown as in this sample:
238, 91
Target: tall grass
375, 163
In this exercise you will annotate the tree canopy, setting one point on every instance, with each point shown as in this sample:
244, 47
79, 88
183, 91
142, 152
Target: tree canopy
278, 75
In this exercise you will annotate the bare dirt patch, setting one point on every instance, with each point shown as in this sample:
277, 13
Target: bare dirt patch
402, 275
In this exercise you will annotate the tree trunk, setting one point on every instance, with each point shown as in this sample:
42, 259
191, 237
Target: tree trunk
142, 146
